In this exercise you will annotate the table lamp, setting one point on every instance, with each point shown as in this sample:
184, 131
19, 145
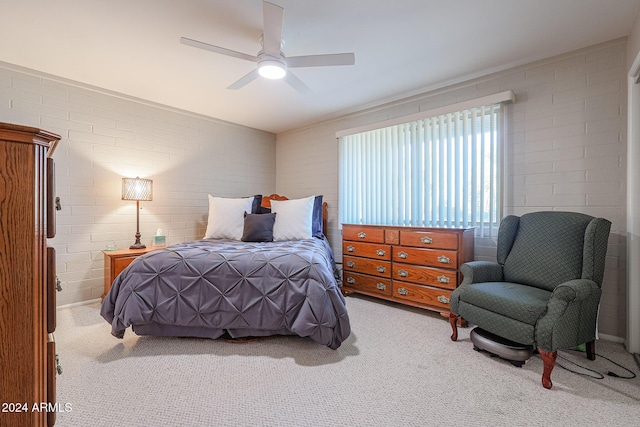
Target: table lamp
137, 189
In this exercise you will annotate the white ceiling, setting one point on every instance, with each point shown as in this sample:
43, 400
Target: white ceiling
402, 47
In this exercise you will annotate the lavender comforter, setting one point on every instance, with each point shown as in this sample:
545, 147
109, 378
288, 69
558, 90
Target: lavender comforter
211, 287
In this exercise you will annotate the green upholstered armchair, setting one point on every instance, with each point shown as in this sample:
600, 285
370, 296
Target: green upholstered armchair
544, 289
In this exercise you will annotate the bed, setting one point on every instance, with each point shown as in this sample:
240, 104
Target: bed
225, 286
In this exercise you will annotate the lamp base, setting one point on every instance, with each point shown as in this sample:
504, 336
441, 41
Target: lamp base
137, 244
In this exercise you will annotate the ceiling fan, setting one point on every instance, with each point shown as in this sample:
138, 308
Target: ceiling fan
271, 62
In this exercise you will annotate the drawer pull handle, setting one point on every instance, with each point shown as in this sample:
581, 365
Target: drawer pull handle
350, 248
443, 259
362, 234
403, 291
351, 264
443, 299
426, 239
381, 286
403, 273
381, 269
380, 252
403, 255
443, 279
351, 280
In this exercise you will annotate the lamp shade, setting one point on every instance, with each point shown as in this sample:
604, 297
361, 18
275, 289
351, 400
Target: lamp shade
137, 189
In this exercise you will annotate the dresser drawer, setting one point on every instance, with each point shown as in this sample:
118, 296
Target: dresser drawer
429, 239
363, 234
367, 266
376, 285
429, 257
425, 275
421, 294
120, 264
369, 250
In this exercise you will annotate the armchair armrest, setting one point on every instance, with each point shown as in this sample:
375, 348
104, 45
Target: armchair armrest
575, 290
571, 315
475, 272
481, 271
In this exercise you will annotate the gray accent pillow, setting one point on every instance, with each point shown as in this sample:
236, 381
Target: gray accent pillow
258, 227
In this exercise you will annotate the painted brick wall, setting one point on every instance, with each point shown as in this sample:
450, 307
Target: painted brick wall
565, 150
106, 137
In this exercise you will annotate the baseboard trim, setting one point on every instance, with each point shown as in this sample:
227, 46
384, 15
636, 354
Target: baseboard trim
611, 338
78, 304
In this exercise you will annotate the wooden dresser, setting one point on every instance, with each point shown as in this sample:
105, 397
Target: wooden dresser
410, 265
27, 277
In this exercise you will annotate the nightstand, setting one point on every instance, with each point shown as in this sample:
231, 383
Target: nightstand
118, 260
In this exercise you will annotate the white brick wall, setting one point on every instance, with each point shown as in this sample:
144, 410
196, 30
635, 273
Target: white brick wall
107, 137
565, 150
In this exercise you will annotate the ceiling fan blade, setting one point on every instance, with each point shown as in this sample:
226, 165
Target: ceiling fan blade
217, 49
273, 18
296, 83
244, 80
321, 60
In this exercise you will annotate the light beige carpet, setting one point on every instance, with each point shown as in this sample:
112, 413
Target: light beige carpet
398, 368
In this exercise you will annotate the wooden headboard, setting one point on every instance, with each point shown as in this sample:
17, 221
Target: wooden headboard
266, 203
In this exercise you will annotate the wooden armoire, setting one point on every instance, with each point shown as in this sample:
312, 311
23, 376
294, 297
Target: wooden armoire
27, 277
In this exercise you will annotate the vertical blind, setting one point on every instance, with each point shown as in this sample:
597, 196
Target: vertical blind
441, 171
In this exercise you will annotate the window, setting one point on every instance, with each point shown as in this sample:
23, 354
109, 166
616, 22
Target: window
438, 171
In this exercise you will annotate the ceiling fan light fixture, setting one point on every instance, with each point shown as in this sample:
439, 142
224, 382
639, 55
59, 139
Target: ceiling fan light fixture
272, 69
270, 62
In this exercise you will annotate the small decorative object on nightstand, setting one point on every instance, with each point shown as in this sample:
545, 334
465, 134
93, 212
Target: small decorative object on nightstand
159, 240
137, 189
117, 260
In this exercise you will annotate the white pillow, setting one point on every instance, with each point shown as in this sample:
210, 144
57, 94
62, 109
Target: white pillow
226, 217
294, 219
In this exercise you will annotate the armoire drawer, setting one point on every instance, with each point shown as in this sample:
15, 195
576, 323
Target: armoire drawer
52, 366
51, 290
